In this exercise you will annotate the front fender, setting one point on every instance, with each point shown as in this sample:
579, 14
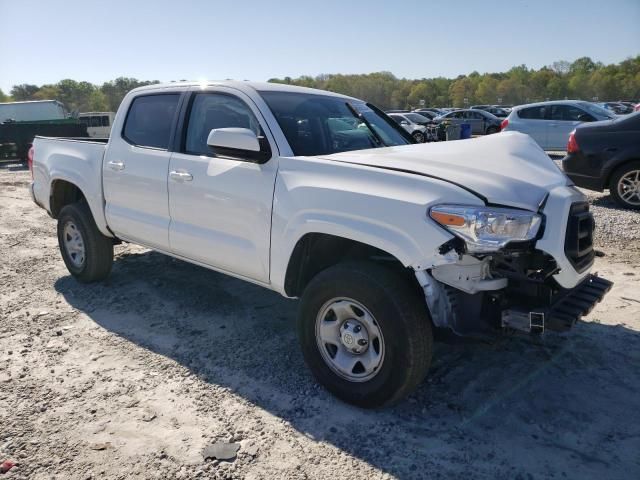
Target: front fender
380, 208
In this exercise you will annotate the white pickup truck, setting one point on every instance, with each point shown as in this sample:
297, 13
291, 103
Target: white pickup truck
323, 197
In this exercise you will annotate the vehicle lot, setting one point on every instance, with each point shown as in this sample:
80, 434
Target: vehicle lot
133, 377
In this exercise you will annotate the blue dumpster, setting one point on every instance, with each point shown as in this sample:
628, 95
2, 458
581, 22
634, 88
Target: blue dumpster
465, 130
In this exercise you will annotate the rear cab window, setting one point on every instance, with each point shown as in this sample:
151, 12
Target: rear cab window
150, 119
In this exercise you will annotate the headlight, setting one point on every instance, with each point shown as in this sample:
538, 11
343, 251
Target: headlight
487, 229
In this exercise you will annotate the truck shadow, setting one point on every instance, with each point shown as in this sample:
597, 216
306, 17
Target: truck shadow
514, 408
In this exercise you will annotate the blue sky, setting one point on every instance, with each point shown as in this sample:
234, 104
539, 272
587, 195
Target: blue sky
48, 40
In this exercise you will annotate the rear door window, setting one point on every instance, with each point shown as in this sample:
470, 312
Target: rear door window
532, 113
150, 119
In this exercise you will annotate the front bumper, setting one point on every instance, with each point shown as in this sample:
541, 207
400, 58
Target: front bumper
563, 312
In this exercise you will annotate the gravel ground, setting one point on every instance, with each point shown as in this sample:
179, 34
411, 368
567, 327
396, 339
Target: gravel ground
134, 377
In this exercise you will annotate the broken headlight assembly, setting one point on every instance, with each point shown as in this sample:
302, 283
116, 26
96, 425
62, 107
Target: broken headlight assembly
487, 229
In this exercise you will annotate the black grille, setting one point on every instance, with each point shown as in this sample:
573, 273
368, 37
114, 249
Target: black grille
578, 243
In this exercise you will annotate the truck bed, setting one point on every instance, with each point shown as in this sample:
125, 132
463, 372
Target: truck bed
75, 160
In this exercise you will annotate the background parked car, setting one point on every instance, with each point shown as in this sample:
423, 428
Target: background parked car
607, 155
413, 123
550, 123
482, 123
618, 108
497, 111
432, 110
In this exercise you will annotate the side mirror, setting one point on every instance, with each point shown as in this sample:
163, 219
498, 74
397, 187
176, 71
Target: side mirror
404, 122
585, 118
239, 144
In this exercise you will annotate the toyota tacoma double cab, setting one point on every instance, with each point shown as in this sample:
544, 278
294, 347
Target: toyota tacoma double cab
323, 197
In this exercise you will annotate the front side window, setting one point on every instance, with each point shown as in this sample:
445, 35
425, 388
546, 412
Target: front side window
149, 120
568, 113
216, 110
322, 124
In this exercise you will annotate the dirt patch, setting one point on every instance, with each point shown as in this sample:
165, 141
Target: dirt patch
135, 377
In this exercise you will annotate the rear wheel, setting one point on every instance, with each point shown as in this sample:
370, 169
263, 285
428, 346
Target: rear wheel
365, 333
625, 185
86, 252
418, 137
492, 130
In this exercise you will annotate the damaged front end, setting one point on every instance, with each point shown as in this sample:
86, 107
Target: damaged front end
474, 291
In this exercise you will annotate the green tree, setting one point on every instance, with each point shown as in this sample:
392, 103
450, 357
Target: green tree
47, 92
461, 90
487, 90
3, 97
23, 92
115, 90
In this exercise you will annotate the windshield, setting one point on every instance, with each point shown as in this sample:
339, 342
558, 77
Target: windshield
322, 124
597, 110
417, 118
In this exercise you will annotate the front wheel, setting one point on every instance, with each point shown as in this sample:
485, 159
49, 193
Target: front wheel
365, 333
625, 185
418, 137
86, 252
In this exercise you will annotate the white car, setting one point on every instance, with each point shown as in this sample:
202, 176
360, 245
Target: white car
98, 123
550, 123
321, 196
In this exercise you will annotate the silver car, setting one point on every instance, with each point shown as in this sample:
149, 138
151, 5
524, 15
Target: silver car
550, 123
413, 123
482, 123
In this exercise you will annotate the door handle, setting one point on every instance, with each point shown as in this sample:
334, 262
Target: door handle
116, 164
180, 176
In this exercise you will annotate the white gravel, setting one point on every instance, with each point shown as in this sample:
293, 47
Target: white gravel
134, 377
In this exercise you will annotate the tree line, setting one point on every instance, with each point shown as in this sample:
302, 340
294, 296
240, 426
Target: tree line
78, 96
582, 79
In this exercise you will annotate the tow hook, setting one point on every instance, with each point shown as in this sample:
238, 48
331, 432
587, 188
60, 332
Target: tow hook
528, 322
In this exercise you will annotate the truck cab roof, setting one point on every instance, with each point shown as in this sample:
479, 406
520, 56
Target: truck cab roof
245, 86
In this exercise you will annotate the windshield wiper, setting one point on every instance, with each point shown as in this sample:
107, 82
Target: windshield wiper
362, 118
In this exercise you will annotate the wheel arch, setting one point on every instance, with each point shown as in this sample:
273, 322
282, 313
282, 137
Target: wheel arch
65, 189
62, 193
616, 166
316, 251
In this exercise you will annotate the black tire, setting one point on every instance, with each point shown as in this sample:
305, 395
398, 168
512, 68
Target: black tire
400, 313
98, 249
492, 130
617, 175
418, 137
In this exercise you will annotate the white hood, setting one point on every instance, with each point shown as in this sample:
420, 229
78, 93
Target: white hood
507, 168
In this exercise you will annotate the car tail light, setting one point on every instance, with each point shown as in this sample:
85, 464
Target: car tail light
30, 161
504, 124
572, 145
